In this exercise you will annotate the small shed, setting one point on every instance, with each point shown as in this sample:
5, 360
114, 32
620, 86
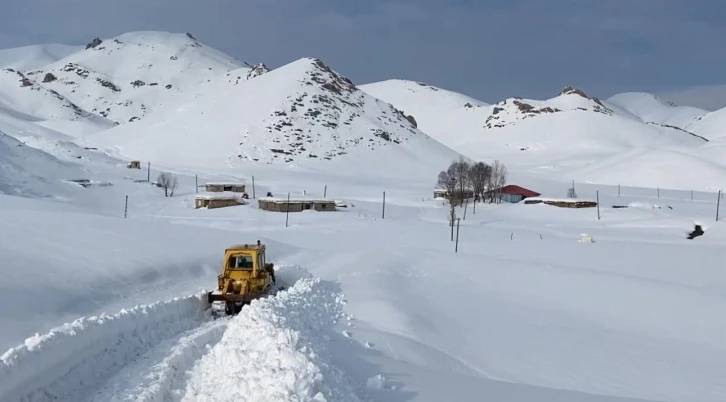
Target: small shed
211, 201
134, 165
295, 204
221, 187
512, 193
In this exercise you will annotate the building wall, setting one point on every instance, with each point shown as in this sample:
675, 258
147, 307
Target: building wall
513, 198
220, 188
295, 206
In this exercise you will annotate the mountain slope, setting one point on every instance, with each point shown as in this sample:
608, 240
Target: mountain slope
34, 56
20, 94
27, 171
650, 108
707, 97
426, 103
711, 125
132, 75
303, 114
571, 129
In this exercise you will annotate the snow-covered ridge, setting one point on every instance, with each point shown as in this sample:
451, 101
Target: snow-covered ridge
19, 93
651, 109
302, 112
63, 362
34, 56
426, 103
274, 350
127, 77
511, 110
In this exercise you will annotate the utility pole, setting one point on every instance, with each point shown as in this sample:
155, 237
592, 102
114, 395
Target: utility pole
456, 249
287, 209
383, 214
253, 187
597, 195
148, 172
126, 207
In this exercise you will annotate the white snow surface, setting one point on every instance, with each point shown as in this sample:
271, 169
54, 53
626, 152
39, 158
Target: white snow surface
711, 125
34, 56
125, 78
426, 103
103, 278
650, 108
275, 351
302, 114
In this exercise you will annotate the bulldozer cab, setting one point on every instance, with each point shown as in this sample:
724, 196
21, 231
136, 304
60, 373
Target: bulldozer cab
245, 262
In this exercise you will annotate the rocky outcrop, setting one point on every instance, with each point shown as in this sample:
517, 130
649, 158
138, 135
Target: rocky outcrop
95, 42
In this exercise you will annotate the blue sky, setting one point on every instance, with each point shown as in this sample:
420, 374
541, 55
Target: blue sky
488, 49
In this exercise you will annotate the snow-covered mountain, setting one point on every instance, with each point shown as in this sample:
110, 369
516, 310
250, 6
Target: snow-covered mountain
711, 125
569, 130
303, 114
29, 171
652, 109
707, 97
34, 56
133, 75
426, 104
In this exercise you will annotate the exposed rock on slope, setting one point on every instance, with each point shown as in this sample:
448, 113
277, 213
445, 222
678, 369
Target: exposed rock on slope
22, 95
128, 77
303, 111
512, 110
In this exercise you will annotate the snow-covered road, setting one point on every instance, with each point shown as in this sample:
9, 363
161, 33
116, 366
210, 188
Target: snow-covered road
174, 351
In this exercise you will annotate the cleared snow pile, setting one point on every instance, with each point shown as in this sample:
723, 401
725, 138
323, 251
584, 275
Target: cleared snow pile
70, 360
274, 350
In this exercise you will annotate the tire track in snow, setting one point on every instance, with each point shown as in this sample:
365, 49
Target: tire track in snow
72, 361
87, 359
161, 374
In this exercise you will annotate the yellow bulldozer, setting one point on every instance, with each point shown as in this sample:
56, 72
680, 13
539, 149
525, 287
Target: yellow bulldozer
245, 276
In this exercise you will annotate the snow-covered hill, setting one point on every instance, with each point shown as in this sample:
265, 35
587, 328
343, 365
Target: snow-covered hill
34, 56
20, 94
569, 130
711, 125
132, 75
427, 104
27, 171
652, 109
707, 97
302, 114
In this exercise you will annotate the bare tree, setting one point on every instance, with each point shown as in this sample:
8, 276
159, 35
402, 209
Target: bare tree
462, 169
498, 179
447, 181
479, 175
168, 182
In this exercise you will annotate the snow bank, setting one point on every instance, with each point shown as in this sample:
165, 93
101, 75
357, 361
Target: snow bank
275, 351
73, 359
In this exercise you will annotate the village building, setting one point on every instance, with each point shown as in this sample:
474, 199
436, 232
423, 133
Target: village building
296, 204
512, 193
456, 195
216, 200
221, 187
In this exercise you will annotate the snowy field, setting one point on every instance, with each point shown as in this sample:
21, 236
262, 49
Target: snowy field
523, 310
102, 278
